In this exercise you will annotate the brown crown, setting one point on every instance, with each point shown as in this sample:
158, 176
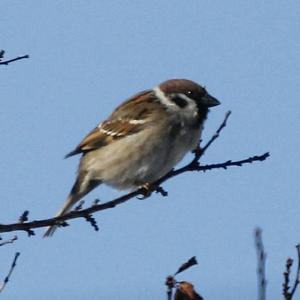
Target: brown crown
181, 86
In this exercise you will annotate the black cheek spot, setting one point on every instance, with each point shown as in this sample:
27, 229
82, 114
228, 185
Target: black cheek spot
179, 101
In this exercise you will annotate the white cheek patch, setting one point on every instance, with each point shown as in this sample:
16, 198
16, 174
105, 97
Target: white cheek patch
191, 108
191, 103
163, 99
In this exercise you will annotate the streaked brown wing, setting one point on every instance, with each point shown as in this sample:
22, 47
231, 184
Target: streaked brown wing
136, 108
95, 139
121, 128
129, 118
105, 134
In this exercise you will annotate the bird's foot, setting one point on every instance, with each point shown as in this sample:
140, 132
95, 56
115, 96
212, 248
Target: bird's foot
148, 188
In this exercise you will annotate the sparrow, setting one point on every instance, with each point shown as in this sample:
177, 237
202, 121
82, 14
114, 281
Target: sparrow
142, 140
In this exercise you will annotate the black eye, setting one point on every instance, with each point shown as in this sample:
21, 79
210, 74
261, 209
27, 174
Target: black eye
179, 101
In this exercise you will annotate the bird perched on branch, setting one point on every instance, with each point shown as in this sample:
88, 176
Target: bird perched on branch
142, 140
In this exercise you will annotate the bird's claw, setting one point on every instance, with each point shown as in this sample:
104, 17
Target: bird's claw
146, 191
148, 188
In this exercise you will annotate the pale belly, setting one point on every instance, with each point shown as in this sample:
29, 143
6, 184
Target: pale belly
139, 159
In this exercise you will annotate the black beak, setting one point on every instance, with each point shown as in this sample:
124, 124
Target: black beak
210, 101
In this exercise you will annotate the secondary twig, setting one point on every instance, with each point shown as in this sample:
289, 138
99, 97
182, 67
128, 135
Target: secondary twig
10, 241
6, 62
288, 295
13, 265
191, 262
170, 283
286, 275
214, 137
297, 279
86, 213
261, 264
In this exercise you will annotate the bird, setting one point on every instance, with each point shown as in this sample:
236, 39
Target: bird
142, 140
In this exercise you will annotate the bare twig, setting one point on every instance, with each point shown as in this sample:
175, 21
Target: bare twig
10, 241
215, 136
86, 213
261, 264
288, 295
13, 265
286, 275
92, 221
80, 205
6, 62
170, 283
191, 262
24, 217
194, 166
297, 279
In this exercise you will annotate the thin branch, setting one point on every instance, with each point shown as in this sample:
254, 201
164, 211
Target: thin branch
170, 283
12, 267
215, 136
286, 275
113, 203
92, 221
191, 262
297, 279
261, 264
288, 295
6, 62
194, 165
10, 241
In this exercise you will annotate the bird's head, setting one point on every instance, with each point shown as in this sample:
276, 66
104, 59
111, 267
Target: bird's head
185, 97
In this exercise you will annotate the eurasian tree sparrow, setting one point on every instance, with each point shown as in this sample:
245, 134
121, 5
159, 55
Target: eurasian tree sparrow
142, 140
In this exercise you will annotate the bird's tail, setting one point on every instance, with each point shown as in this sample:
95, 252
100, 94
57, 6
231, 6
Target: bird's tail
71, 200
79, 190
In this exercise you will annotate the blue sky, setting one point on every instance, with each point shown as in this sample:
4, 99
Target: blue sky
87, 57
